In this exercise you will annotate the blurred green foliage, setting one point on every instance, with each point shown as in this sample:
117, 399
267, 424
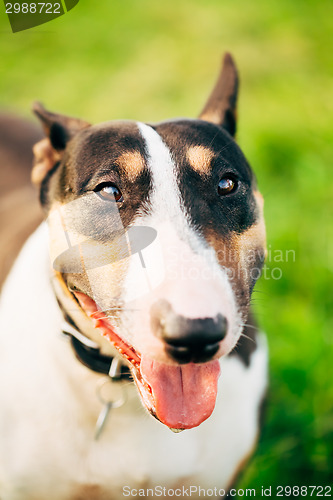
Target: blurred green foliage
149, 60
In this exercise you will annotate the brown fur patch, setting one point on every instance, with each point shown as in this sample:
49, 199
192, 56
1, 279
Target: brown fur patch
20, 213
249, 241
239, 255
132, 163
45, 159
252, 239
200, 158
228, 256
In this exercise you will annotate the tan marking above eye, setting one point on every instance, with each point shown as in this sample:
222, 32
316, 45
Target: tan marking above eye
132, 164
200, 158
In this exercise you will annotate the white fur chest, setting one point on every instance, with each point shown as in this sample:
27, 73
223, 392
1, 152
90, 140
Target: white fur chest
49, 410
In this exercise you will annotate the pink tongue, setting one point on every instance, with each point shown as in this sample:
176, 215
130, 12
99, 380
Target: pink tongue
184, 395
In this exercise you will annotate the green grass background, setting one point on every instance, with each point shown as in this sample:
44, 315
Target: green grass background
151, 60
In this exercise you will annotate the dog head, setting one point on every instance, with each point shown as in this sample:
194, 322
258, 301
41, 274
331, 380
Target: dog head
157, 238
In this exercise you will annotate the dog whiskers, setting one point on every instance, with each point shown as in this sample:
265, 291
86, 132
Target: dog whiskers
120, 308
248, 326
247, 337
112, 309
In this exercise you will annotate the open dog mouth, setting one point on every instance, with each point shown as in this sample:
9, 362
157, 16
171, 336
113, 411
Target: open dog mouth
180, 396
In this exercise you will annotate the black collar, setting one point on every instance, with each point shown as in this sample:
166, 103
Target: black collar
88, 353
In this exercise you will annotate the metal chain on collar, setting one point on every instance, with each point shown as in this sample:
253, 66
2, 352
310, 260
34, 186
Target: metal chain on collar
107, 400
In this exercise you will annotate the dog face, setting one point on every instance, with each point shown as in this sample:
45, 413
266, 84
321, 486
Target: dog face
157, 238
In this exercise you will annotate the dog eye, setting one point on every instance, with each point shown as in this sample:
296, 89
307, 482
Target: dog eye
227, 185
109, 192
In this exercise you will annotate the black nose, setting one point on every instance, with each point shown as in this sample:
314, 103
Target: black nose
187, 340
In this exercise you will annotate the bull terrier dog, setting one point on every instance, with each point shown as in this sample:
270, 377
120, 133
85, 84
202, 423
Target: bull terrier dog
126, 314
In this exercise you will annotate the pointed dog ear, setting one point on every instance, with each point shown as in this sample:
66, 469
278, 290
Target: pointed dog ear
221, 105
59, 129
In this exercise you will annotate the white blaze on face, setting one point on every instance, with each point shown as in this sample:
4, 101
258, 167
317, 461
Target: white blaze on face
191, 280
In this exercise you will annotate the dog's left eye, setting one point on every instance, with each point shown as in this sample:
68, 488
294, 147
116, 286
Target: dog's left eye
109, 192
227, 185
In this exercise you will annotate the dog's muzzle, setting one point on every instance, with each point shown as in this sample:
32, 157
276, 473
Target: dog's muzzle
186, 339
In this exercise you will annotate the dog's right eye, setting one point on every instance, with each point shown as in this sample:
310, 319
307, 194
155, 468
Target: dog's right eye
109, 192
